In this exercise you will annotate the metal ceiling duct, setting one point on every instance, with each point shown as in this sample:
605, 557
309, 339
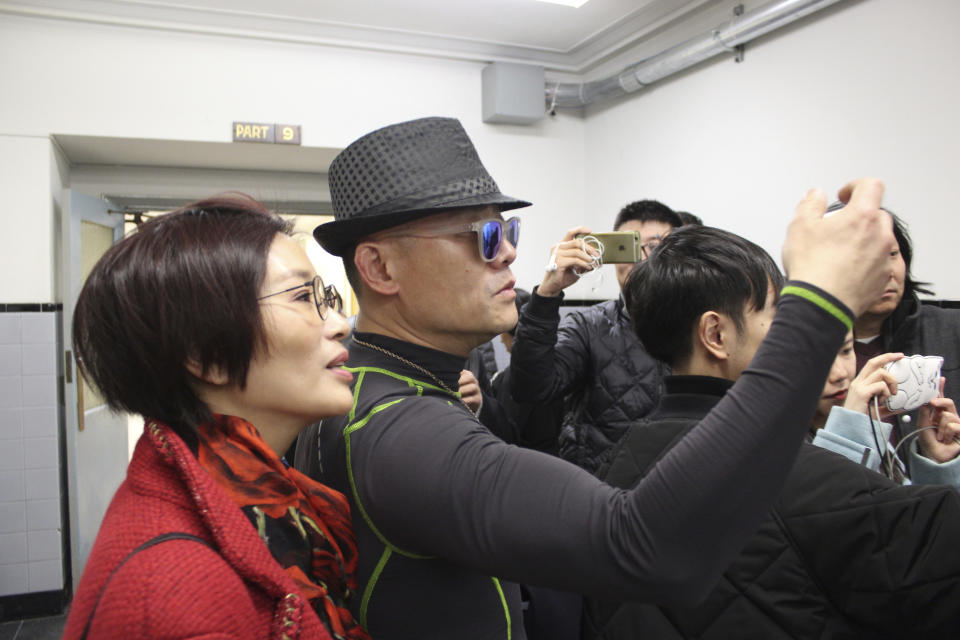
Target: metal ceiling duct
724, 38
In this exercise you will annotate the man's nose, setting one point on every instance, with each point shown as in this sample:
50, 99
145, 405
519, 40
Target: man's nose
508, 252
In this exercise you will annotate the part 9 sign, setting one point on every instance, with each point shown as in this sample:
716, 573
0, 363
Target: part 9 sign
266, 133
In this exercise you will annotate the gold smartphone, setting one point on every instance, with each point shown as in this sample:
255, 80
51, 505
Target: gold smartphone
618, 246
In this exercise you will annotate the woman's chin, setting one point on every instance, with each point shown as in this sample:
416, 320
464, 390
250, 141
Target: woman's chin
341, 400
823, 410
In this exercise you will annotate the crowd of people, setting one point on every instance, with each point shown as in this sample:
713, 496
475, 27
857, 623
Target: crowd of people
708, 456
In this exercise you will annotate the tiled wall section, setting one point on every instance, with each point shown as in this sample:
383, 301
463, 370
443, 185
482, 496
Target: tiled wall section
31, 548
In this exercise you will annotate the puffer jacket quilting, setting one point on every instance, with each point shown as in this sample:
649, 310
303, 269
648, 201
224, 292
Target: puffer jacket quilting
594, 359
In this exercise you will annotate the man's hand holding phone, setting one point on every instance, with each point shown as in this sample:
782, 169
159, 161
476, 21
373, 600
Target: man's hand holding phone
616, 247
568, 258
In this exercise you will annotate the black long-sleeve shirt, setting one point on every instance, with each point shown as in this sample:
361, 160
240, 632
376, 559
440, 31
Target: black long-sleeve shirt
440, 505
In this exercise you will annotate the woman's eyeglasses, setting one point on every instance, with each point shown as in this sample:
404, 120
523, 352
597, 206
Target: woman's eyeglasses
490, 234
324, 297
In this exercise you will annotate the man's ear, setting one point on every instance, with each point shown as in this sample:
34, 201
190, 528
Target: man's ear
374, 264
214, 375
713, 334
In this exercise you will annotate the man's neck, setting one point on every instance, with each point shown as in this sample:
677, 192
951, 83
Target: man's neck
868, 325
699, 365
368, 323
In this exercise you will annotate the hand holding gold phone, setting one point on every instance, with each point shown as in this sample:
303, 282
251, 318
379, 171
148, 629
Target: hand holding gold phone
616, 246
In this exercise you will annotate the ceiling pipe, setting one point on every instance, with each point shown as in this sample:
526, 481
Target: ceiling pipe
724, 38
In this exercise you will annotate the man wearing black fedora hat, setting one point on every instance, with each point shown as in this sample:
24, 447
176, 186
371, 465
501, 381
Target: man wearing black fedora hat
446, 514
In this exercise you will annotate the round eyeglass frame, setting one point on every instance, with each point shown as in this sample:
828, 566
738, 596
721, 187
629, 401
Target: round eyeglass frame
324, 296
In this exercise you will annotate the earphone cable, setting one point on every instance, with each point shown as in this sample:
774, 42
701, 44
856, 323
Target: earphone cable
886, 461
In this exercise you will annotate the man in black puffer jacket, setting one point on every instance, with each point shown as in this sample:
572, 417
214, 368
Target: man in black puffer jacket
844, 552
591, 357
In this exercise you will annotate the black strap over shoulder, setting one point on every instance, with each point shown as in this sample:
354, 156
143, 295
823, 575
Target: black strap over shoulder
163, 537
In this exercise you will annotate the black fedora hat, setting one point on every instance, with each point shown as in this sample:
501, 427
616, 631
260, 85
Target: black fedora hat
403, 172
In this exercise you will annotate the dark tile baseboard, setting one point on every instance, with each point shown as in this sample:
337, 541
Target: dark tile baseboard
22, 307
946, 304
30, 605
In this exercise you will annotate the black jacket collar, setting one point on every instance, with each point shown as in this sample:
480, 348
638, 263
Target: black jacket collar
689, 396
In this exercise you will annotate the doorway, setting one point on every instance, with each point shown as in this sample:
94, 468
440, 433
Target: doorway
111, 181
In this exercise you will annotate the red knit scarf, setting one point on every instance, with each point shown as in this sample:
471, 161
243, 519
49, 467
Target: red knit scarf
305, 525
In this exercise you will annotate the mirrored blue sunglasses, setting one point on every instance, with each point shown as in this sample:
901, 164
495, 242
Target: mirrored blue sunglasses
490, 234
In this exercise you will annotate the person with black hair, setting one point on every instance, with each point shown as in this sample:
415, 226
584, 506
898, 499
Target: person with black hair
844, 552
899, 322
591, 358
212, 324
846, 422
688, 218
449, 517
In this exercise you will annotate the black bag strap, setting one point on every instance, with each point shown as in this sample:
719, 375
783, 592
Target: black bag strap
163, 537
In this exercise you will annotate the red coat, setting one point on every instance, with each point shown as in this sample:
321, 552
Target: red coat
182, 588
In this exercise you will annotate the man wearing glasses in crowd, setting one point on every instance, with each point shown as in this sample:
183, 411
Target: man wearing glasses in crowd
592, 357
446, 514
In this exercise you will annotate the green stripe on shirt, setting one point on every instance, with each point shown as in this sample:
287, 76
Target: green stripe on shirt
821, 302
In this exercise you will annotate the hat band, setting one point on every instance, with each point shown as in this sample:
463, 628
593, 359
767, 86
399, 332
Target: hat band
440, 197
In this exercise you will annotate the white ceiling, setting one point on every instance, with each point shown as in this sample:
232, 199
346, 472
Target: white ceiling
562, 39
557, 37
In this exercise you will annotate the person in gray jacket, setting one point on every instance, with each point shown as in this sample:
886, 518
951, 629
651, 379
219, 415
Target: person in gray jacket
898, 322
592, 357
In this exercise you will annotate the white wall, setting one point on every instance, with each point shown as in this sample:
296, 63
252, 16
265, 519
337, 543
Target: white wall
27, 271
865, 88
110, 81
868, 88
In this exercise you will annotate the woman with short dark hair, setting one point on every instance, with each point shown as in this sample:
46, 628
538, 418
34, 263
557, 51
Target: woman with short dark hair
212, 324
